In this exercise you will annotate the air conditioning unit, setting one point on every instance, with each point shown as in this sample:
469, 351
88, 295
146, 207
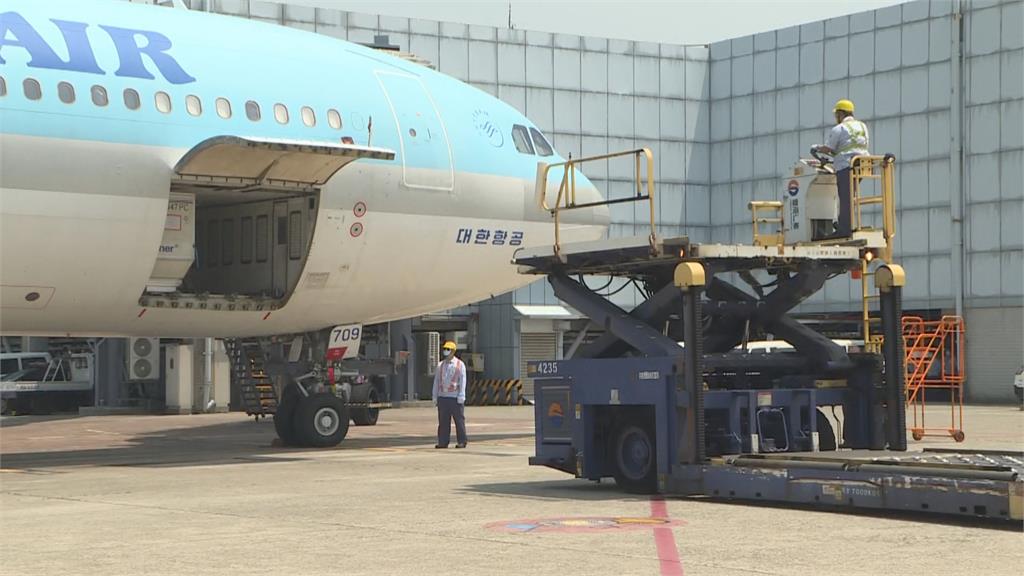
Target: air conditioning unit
143, 358
428, 352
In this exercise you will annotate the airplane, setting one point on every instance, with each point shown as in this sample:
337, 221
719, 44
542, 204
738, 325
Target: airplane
172, 173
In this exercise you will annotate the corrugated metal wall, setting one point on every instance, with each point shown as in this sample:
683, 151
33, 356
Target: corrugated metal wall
994, 170
771, 98
995, 351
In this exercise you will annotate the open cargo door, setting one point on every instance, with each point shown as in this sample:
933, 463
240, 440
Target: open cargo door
237, 162
233, 201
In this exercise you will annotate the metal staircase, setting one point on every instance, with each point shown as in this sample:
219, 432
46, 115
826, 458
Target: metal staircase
259, 399
935, 360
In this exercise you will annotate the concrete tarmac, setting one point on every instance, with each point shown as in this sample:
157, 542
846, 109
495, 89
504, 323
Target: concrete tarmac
210, 494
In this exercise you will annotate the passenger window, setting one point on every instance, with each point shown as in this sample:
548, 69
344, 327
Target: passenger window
252, 111
131, 99
9, 365
212, 244
262, 238
521, 137
308, 118
294, 235
227, 241
224, 111
3, 87
66, 92
541, 144
246, 256
163, 102
193, 105
99, 96
334, 119
32, 89
281, 113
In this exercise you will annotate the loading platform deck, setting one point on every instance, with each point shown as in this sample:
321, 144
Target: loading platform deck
667, 400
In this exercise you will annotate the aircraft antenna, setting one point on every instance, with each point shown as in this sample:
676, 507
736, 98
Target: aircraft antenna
369, 131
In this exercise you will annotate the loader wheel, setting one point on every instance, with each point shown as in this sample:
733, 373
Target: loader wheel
635, 459
284, 415
321, 420
826, 434
365, 416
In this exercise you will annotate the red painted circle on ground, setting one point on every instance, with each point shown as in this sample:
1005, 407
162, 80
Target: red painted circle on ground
583, 524
356, 230
359, 209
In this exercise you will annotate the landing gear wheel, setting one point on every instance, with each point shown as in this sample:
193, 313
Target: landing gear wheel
321, 420
917, 434
635, 459
365, 416
284, 415
826, 435
958, 435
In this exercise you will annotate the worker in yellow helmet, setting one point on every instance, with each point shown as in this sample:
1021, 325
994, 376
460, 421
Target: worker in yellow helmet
848, 138
450, 397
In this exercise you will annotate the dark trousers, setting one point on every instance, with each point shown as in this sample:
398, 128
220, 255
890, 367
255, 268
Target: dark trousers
845, 227
447, 409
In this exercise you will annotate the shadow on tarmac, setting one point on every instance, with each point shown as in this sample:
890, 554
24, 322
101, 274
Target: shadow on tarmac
570, 489
574, 489
223, 443
7, 421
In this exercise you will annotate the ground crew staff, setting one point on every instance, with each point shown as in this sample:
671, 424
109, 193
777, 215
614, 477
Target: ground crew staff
847, 139
450, 398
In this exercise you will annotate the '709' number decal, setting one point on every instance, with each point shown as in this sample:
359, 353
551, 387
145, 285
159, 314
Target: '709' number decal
344, 342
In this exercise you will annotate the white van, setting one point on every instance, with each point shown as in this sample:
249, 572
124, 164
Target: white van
25, 366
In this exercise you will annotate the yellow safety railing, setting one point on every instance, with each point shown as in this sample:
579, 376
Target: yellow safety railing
766, 212
566, 199
883, 169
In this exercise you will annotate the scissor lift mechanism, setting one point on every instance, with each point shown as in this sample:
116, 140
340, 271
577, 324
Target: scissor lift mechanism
663, 402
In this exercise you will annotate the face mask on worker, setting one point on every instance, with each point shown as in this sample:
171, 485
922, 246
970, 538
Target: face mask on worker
447, 352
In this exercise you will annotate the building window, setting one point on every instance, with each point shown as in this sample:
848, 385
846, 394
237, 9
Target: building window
308, 118
521, 138
224, 111
334, 119
163, 102
3, 87
32, 89
227, 241
66, 92
212, 243
281, 113
252, 111
262, 238
193, 105
131, 99
246, 256
294, 235
541, 143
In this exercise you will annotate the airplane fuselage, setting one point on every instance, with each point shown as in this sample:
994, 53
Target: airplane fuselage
87, 173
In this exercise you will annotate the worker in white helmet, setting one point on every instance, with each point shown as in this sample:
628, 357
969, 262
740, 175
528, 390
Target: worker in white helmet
450, 397
848, 138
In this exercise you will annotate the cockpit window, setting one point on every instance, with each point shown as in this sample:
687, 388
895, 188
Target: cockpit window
521, 137
543, 148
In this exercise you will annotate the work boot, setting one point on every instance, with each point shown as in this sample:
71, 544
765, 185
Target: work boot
460, 445
439, 446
